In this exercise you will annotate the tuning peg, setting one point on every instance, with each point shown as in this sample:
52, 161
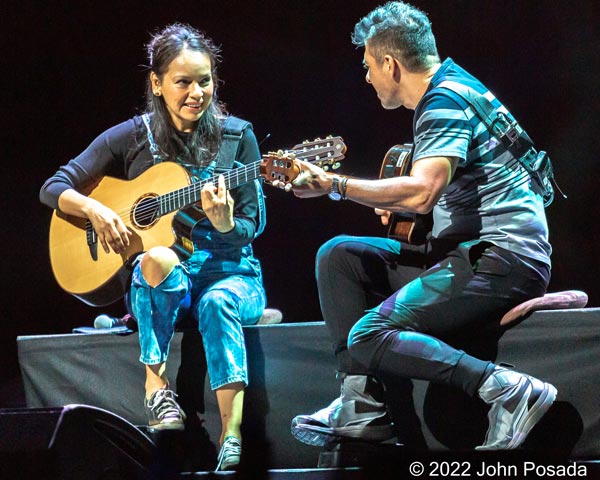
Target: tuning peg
336, 165
326, 168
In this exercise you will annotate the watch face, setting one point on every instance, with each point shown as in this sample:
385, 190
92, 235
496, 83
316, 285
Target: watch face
335, 194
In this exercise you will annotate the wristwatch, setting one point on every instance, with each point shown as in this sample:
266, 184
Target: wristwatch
335, 193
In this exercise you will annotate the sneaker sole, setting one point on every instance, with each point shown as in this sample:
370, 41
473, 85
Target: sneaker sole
227, 466
320, 436
166, 426
534, 415
228, 463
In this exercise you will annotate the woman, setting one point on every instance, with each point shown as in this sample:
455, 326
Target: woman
220, 286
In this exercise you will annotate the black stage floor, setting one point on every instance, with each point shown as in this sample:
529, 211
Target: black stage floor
424, 465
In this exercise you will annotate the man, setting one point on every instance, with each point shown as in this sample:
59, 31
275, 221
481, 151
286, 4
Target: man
488, 250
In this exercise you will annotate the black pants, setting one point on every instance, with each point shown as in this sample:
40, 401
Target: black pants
421, 301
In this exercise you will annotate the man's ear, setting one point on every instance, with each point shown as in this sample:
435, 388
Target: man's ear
391, 65
388, 63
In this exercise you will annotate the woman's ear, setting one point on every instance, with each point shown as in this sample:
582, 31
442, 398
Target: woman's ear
156, 84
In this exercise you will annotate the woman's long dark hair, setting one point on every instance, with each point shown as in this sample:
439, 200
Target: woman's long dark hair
205, 140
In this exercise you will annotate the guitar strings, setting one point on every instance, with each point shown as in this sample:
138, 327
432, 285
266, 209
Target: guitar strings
145, 213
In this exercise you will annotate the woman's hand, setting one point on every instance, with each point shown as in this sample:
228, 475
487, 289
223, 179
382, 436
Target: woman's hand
110, 228
218, 204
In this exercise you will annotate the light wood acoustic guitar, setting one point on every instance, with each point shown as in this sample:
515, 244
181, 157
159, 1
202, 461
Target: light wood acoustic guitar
407, 227
160, 207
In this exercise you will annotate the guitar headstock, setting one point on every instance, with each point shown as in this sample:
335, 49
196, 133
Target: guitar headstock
327, 153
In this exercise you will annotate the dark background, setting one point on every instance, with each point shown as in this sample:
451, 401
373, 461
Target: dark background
71, 70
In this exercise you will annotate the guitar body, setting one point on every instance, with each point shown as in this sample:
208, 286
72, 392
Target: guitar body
82, 268
405, 227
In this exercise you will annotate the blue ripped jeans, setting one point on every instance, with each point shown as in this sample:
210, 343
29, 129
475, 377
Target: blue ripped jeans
219, 307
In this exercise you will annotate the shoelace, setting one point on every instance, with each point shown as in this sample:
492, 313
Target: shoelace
165, 405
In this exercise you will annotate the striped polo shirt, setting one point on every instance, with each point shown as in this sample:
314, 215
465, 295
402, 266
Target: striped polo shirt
489, 197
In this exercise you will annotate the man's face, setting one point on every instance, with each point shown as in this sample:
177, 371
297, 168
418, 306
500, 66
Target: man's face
381, 76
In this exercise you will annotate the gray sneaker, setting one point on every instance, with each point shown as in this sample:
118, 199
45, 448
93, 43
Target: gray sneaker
164, 413
355, 414
518, 402
229, 454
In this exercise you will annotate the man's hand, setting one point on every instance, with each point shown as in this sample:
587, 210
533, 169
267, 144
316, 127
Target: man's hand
217, 204
311, 182
384, 215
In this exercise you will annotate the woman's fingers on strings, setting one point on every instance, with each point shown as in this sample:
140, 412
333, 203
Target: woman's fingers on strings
123, 233
115, 238
210, 190
222, 191
105, 245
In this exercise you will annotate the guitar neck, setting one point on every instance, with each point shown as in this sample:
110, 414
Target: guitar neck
190, 194
325, 152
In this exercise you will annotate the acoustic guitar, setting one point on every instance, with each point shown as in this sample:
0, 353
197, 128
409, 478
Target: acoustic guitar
160, 207
407, 227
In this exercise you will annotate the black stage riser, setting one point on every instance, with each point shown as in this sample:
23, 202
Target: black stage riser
292, 371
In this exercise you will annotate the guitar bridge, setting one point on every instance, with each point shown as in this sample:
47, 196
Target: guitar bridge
92, 240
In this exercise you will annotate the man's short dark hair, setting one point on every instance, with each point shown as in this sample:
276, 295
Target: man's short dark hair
401, 30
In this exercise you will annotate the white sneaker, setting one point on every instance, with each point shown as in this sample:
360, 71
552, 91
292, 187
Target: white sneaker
518, 402
355, 414
229, 454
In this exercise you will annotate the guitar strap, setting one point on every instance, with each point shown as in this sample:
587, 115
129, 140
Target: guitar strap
154, 150
512, 136
233, 129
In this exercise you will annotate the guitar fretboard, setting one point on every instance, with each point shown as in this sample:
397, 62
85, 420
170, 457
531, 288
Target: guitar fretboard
178, 199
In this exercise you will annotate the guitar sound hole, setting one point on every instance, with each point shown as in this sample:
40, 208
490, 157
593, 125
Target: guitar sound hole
145, 212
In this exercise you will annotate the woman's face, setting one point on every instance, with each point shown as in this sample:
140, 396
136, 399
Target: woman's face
187, 88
